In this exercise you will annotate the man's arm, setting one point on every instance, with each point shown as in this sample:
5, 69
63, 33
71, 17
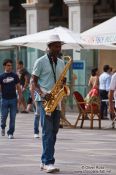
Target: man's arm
36, 84
32, 90
18, 88
46, 96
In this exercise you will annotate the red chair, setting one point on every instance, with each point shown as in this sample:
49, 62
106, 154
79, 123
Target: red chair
91, 113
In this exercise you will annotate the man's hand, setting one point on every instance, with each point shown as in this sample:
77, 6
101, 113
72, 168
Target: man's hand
64, 81
47, 97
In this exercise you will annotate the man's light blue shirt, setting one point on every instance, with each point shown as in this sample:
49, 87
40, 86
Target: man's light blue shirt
104, 81
43, 70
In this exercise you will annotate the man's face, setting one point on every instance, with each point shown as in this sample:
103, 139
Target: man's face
19, 66
8, 67
55, 48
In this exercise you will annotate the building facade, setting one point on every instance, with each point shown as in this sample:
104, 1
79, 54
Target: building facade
13, 14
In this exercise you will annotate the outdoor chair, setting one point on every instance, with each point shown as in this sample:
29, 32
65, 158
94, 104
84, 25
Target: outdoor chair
91, 113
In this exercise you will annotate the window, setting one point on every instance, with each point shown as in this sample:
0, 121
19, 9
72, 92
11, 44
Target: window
18, 13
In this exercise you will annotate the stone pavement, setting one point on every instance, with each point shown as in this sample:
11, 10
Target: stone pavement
78, 151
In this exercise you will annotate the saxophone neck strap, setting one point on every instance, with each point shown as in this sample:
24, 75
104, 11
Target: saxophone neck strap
51, 60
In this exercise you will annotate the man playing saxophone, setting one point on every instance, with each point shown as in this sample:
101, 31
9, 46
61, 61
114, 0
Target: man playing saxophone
46, 72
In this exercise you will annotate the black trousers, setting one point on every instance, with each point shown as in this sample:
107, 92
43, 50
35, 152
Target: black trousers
103, 105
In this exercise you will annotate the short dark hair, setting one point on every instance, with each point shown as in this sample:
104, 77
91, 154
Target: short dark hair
93, 71
20, 62
106, 68
7, 61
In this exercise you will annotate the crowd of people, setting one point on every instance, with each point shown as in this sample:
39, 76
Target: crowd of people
22, 92
102, 83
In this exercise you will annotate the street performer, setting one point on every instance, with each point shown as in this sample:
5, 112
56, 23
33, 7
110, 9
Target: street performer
46, 72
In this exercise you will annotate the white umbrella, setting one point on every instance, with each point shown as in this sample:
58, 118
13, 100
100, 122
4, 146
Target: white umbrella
91, 46
39, 40
102, 34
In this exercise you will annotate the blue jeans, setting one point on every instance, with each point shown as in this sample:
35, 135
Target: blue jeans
50, 127
8, 105
103, 105
36, 120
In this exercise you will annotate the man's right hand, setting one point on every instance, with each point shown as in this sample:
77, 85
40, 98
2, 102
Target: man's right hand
47, 96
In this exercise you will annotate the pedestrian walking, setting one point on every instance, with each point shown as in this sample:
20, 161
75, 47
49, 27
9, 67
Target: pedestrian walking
24, 77
9, 83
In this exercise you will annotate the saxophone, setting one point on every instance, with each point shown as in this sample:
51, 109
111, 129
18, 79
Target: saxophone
58, 91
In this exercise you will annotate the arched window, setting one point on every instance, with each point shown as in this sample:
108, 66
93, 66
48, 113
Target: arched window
58, 12
17, 13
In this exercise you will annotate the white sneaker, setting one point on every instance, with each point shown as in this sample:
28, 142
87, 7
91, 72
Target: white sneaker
10, 136
41, 166
50, 168
36, 135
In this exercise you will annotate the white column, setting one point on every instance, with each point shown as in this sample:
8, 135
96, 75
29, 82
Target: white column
37, 19
4, 20
37, 16
80, 14
81, 19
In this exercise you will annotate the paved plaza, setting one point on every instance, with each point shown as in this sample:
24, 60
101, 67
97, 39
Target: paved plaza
78, 151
